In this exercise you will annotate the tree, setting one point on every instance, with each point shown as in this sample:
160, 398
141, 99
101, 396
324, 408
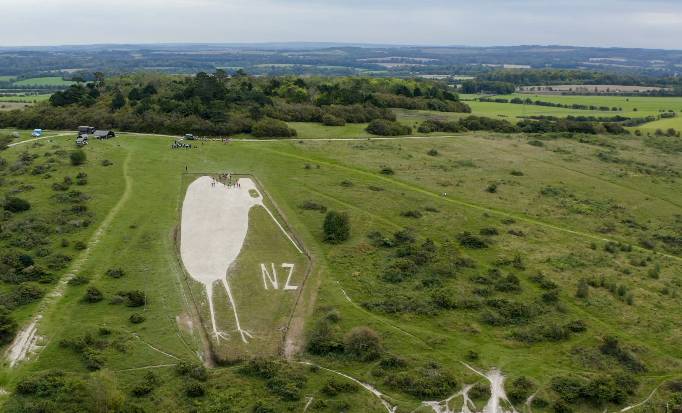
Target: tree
118, 101
336, 227
363, 343
77, 157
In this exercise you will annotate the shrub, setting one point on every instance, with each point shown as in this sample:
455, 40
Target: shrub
384, 127
193, 370
136, 318
80, 245
520, 389
334, 387
331, 120
115, 272
14, 204
363, 343
468, 240
8, 327
412, 214
134, 298
429, 382
492, 188
313, 206
336, 227
77, 157
93, 295
107, 162
195, 390
386, 170
272, 128
324, 338
432, 152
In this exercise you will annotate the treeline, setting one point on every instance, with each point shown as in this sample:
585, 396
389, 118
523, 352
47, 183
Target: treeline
529, 101
477, 123
530, 77
487, 86
218, 104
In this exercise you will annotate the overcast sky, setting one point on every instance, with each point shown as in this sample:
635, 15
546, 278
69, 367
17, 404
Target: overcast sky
628, 23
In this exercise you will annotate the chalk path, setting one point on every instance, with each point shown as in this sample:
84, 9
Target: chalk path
215, 222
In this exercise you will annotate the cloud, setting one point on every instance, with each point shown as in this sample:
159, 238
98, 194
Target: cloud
635, 23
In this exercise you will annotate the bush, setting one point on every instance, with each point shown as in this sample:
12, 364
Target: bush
331, 120
195, 390
8, 327
468, 240
93, 295
412, 214
336, 227
520, 389
384, 127
313, 206
136, 318
195, 371
363, 343
272, 128
429, 382
14, 204
134, 298
324, 338
77, 157
115, 272
432, 152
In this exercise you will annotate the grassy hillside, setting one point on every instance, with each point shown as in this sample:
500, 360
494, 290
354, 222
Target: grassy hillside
526, 254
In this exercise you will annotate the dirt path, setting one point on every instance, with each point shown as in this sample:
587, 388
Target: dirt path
26, 341
37, 139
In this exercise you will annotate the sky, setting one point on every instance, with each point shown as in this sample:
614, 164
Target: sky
621, 23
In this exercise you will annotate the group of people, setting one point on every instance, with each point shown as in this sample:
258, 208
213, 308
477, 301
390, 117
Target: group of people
227, 180
180, 145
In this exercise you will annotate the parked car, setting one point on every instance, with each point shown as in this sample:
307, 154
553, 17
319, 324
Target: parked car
82, 140
190, 137
37, 133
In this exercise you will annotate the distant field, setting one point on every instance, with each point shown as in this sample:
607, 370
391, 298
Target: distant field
26, 98
44, 81
633, 107
12, 105
6, 78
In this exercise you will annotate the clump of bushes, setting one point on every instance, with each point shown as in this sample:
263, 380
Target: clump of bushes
313, 206
363, 343
385, 127
336, 227
412, 213
272, 128
14, 204
469, 240
136, 318
77, 157
430, 382
331, 120
93, 295
115, 272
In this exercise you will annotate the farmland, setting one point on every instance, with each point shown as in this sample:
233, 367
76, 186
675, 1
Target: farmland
481, 220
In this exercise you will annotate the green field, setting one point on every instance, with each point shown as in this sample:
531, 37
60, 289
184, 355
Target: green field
44, 81
633, 106
590, 207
